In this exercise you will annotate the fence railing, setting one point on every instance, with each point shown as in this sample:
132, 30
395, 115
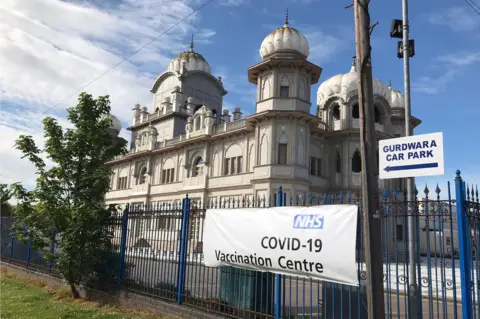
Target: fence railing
158, 251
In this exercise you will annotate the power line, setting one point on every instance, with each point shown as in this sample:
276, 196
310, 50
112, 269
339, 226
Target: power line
128, 57
475, 7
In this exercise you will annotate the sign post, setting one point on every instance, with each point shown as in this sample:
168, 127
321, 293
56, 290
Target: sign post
412, 156
316, 242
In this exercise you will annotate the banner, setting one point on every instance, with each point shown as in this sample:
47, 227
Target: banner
315, 242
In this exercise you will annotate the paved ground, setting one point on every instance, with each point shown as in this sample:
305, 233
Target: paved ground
300, 296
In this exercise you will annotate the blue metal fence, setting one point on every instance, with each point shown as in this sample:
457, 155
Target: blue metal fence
158, 251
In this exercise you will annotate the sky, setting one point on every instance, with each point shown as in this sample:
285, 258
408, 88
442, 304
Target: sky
50, 50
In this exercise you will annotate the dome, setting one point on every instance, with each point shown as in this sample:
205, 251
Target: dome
193, 61
345, 85
285, 38
397, 100
116, 124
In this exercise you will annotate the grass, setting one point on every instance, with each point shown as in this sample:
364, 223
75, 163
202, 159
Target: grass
31, 298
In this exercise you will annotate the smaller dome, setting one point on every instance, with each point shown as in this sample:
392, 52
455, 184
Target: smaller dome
285, 38
344, 85
193, 61
397, 100
116, 124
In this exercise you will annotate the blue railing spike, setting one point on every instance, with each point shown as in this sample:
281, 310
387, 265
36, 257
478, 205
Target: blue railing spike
349, 196
340, 196
325, 196
291, 197
437, 190
415, 190
310, 197
395, 193
458, 174
280, 188
426, 191
385, 193
332, 196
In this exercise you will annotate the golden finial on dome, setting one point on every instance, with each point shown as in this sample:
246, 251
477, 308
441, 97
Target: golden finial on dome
286, 19
354, 64
191, 45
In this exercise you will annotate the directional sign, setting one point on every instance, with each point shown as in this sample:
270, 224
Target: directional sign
419, 155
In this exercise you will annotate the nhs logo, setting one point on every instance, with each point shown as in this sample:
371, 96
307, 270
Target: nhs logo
308, 221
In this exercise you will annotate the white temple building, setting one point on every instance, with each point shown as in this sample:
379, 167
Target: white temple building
187, 143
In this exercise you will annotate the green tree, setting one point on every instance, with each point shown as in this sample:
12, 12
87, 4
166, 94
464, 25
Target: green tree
6, 194
67, 205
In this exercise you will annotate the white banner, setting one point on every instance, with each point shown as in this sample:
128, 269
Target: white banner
315, 242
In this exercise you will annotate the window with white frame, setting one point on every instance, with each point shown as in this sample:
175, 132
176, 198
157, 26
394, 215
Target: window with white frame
198, 167
284, 87
282, 149
233, 165
315, 166
233, 162
142, 176
168, 175
122, 182
284, 91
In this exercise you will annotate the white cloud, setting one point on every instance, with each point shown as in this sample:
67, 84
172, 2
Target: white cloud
51, 48
233, 3
459, 19
460, 59
448, 66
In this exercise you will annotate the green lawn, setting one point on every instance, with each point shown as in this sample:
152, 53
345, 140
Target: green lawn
19, 300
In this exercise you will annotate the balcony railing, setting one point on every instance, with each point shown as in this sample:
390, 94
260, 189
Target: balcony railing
229, 126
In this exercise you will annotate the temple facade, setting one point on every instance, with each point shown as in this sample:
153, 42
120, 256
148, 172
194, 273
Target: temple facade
186, 142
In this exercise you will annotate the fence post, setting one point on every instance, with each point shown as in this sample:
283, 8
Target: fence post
29, 252
183, 249
52, 250
463, 247
123, 247
278, 277
12, 243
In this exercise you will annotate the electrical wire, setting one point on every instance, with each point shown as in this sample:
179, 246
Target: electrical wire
475, 7
128, 57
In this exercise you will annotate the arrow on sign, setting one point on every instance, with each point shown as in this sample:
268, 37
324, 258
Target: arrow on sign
409, 167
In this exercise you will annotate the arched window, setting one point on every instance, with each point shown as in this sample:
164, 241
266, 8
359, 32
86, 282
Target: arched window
157, 111
282, 149
356, 162
266, 91
214, 114
198, 165
339, 162
233, 163
355, 111
284, 87
376, 114
198, 121
142, 175
336, 113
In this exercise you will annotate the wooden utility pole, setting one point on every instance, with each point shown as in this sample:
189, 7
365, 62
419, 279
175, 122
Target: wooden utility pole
368, 147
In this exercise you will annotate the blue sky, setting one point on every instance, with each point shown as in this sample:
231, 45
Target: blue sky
51, 48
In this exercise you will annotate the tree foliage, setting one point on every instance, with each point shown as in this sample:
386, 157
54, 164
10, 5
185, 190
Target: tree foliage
6, 194
67, 206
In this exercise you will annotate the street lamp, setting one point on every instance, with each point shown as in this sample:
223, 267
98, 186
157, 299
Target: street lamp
406, 50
